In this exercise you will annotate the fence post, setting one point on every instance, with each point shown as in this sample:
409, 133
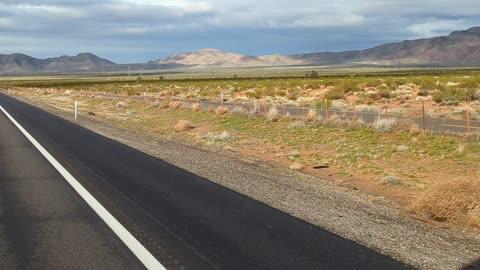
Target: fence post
76, 109
468, 119
423, 114
326, 108
354, 109
265, 106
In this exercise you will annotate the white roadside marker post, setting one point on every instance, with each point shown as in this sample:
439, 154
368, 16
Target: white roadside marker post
76, 109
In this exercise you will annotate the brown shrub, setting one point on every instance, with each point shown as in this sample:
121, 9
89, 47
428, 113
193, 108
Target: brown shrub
165, 93
121, 105
164, 105
196, 107
175, 104
273, 114
297, 166
183, 125
456, 202
221, 110
311, 116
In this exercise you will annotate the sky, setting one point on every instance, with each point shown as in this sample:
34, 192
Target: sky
134, 31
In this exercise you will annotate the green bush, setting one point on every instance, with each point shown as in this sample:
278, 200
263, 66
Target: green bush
453, 93
321, 104
384, 93
335, 93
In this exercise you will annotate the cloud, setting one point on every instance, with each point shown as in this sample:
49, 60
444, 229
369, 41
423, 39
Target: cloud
154, 28
435, 27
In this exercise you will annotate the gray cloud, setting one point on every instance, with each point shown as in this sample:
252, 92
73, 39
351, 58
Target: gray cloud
140, 30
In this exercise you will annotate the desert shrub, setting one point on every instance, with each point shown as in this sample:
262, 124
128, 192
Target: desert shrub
385, 124
384, 93
392, 180
224, 136
297, 124
311, 116
196, 107
382, 87
182, 126
293, 94
281, 93
238, 110
348, 86
175, 104
131, 92
311, 74
321, 104
221, 110
457, 202
336, 121
164, 105
253, 94
453, 93
273, 114
335, 93
267, 92
121, 105
368, 108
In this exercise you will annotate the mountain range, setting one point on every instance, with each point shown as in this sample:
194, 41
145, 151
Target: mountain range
460, 48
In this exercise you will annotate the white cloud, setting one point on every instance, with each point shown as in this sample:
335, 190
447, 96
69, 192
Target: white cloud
257, 26
435, 27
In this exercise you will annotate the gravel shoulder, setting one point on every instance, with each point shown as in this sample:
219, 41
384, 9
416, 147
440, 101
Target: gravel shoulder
351, 214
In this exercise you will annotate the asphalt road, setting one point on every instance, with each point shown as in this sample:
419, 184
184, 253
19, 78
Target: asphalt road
185, 221
44, 223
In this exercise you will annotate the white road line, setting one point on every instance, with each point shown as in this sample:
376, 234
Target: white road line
132, 243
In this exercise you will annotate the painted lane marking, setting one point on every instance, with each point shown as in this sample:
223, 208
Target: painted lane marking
130, 241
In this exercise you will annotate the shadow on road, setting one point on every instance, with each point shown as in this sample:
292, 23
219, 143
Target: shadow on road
475, 265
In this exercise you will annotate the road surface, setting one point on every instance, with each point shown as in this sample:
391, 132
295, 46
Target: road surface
184, 221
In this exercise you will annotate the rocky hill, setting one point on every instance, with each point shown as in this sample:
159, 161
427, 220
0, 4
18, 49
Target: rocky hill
24, 64
461, 48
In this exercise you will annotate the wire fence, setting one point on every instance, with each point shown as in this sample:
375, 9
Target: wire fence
418, 115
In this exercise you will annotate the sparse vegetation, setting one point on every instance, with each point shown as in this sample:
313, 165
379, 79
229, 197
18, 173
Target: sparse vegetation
377, 159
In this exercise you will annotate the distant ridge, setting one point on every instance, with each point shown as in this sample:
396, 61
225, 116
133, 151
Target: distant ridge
458, 49
21, 64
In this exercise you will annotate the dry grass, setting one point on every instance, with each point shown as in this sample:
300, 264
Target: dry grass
196, 107
224, 136
221, 110
121, 105
297, 166
385, 124
273, 114
311, 116
454, 202
183, 125
164, 105
175, 104
239, 110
